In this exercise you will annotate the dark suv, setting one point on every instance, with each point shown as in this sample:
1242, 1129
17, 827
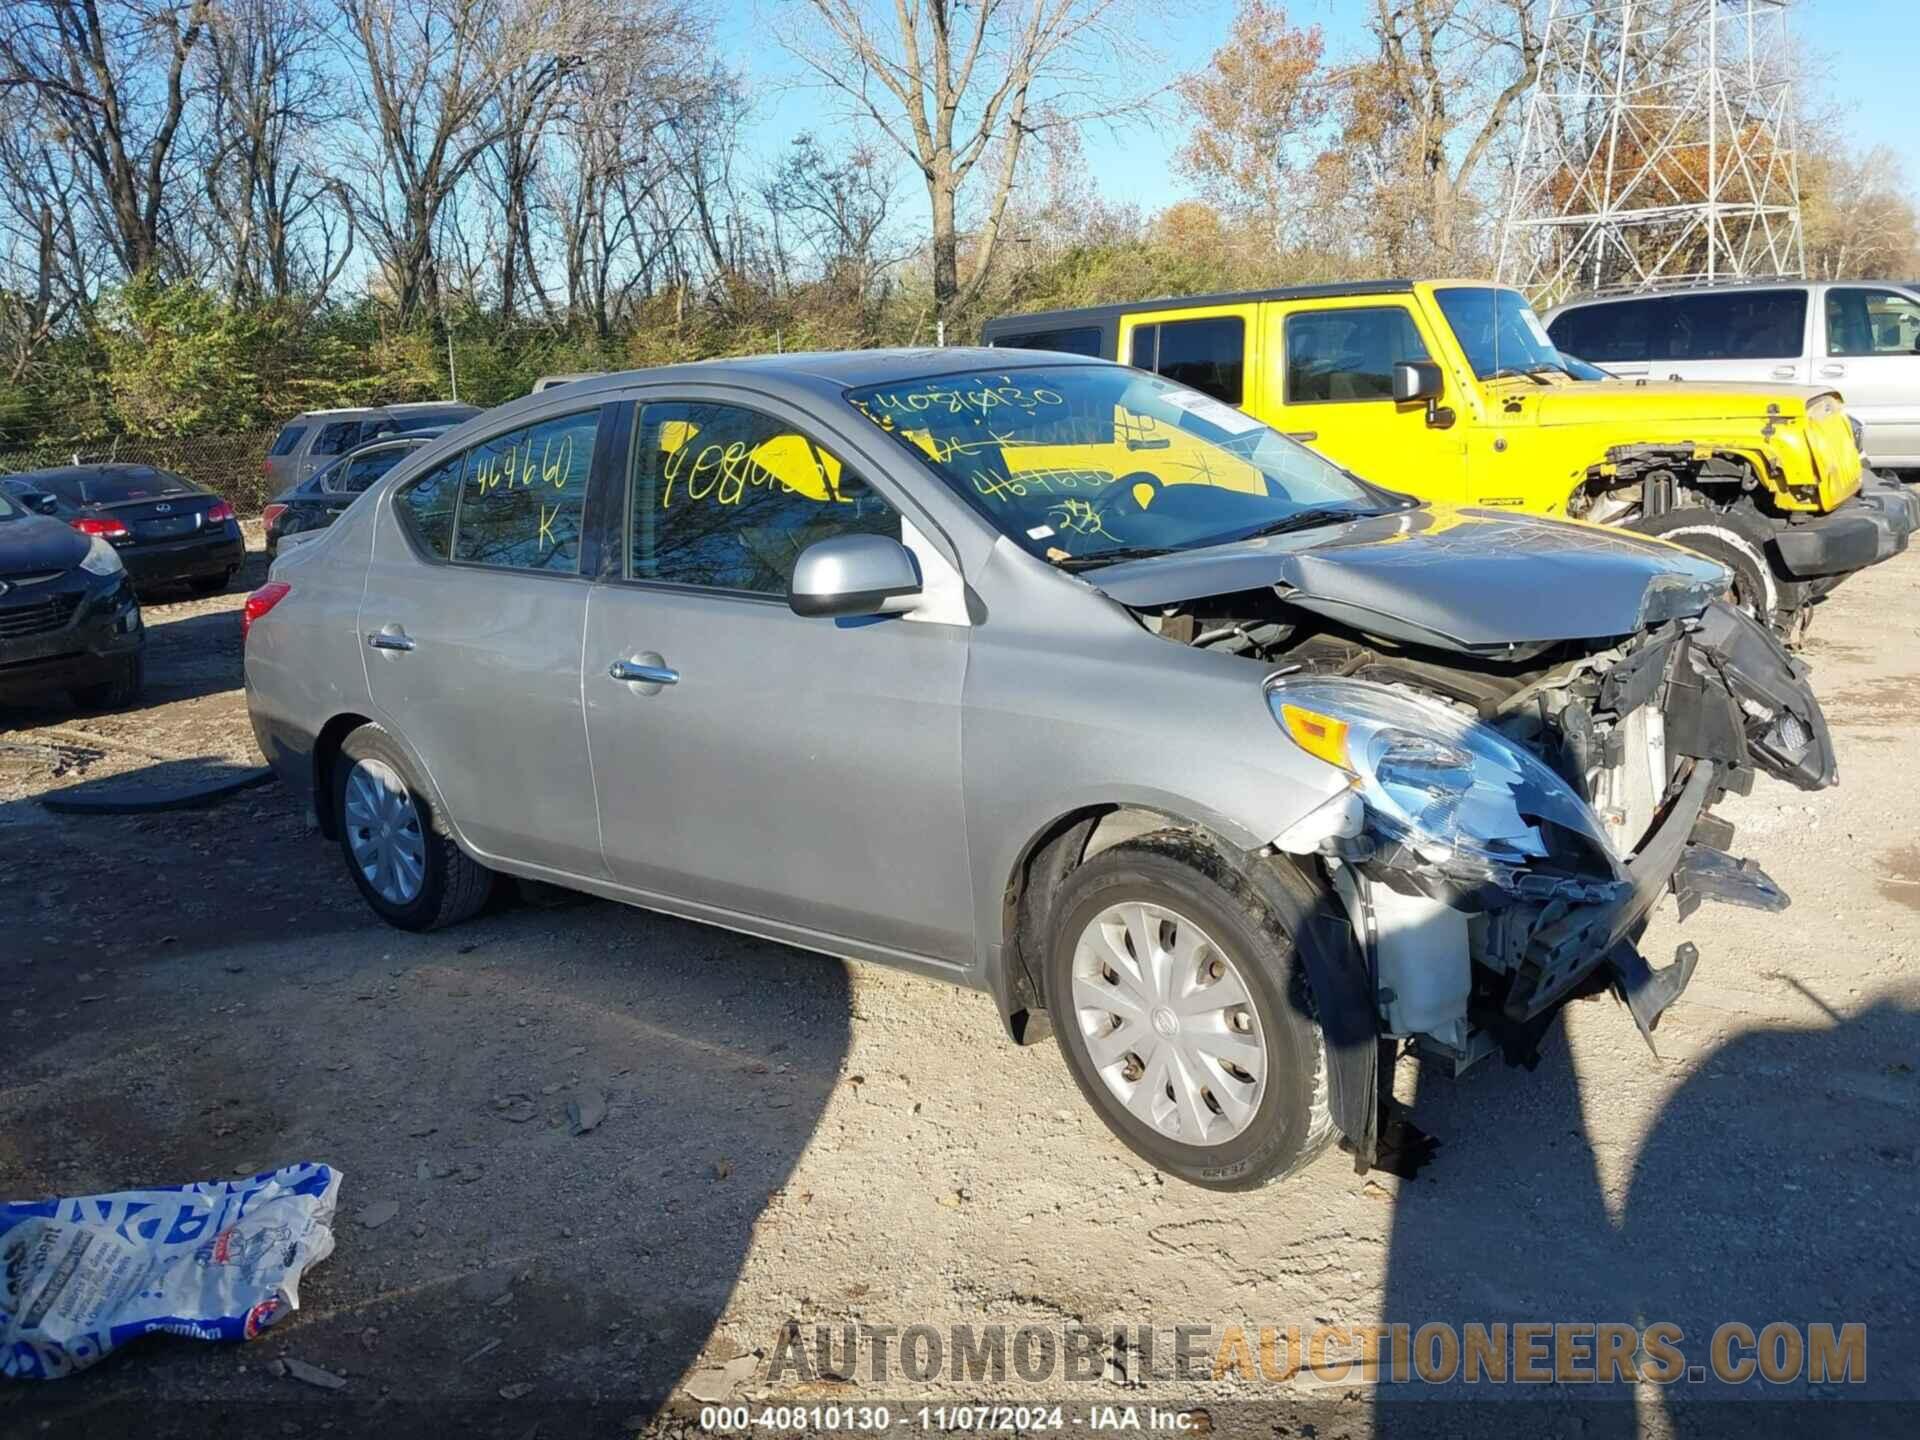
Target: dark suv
312, 440
68, 617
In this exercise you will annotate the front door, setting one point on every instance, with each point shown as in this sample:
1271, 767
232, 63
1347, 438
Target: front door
1331, 387
750, 762
471, 629
1872, 357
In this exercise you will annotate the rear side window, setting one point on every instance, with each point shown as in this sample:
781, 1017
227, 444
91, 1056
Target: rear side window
1731, 325
1872, 322
1336, 355
1079, 340
338, 436
1209, 355
522, 496
426, 506
289, 436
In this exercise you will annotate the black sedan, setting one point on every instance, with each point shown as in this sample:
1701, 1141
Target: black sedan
167, 529
317, 501
68, 616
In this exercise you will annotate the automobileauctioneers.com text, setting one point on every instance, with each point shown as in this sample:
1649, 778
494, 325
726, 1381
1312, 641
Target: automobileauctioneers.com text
1522, 1353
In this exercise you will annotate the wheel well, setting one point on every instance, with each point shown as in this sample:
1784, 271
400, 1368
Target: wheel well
1026, 911
326, 749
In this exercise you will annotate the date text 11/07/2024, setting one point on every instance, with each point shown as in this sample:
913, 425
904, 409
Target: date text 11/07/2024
974, 1418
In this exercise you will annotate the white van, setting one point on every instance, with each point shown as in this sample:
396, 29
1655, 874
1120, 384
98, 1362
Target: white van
1861, 338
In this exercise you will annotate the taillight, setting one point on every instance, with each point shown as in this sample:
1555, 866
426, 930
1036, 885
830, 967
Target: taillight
261, 601
94, 525
221, 511
271, 514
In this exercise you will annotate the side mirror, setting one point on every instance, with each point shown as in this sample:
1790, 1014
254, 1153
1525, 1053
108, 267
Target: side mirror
1416, 380
44, 504
851, 575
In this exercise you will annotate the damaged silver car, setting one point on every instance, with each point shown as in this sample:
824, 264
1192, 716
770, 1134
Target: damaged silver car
1047, 677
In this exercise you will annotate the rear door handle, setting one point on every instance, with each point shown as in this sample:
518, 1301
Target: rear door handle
644, 672
1833, 372
1784, 372
390, 638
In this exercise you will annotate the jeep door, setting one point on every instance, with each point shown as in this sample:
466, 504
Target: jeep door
1330, 385
750, 762
470, 630
1871, 355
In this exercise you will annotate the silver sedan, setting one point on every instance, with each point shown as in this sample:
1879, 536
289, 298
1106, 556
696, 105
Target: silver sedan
1042, 676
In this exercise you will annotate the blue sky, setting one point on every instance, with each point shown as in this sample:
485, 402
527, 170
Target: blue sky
1869, 48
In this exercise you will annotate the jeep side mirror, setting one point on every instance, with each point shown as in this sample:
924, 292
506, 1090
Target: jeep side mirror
1416, 380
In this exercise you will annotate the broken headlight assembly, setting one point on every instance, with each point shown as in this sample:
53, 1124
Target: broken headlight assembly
1454, 791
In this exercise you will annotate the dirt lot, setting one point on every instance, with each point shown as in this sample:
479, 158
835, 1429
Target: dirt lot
198, 994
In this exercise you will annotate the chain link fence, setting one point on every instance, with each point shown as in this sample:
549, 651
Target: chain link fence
232, 466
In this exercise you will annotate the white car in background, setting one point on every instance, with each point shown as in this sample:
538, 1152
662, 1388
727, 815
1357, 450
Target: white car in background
1861, 337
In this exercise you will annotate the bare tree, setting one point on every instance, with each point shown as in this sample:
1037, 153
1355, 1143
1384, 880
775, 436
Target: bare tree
113, 77
835, 212
955, 83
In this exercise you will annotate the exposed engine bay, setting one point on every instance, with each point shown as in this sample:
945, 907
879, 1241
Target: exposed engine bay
1471, 954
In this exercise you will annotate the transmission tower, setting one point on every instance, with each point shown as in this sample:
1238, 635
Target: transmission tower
1658, 149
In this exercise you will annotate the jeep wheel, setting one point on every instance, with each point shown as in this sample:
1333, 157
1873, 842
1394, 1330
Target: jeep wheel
1183, 1010
1739, 540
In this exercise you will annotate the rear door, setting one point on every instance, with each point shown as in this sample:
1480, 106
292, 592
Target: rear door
1330, 386
803, 771
1871, 355
470, 629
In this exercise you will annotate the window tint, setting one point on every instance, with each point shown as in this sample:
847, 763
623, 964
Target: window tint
1209, 355
1872, 322
109, 487
339, 436
1081, 340
288, 437
1604, 333
522, 495
363, 470
727, 498
1348, 354
426, 505
1732, 325
412, 420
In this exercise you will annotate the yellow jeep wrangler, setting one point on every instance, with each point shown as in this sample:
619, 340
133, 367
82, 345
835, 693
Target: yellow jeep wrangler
1451, 390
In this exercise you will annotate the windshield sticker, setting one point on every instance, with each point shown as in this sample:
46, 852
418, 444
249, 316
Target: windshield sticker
1040, 532
1214, 412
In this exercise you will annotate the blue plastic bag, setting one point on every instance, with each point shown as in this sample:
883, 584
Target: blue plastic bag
220, 1260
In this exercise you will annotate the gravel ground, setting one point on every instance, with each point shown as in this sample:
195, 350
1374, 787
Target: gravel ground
788, 1138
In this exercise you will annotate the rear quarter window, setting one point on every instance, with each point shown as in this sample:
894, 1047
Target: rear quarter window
287, 439
338, 436
426, 505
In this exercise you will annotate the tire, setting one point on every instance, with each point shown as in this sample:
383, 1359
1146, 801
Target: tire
122, 690
1283, 1119
1739, 540
420, 879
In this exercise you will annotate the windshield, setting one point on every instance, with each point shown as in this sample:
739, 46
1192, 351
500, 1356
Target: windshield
1499, 331
1090, 464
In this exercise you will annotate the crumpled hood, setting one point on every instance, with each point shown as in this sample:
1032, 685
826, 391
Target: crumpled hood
1602, 401
39, 544
1463, 579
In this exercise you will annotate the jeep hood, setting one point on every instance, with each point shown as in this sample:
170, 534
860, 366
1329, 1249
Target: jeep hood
1477, 580
1599, 402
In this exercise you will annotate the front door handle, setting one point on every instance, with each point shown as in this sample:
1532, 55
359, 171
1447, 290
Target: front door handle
1784, 372
392, 637
644, 670
1833, 372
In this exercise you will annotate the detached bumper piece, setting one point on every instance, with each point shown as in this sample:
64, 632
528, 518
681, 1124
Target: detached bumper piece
1874, 525
1737, 698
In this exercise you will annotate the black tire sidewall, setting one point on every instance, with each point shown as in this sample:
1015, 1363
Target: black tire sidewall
370, 742
1726, 537
1260, 948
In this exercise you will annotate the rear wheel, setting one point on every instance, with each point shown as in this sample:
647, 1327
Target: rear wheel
129, 677
414, 876
1737, 539
1182, 1008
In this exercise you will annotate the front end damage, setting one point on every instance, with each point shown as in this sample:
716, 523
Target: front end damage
1499, 892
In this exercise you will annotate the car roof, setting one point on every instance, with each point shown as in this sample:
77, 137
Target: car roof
102, 470
1676, 292
1097, 313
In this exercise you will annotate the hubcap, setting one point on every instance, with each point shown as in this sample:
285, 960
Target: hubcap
383, 831
1169, 1023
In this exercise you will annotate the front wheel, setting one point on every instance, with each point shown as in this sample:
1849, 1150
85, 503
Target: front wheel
1738, 539
1182, 1007
413, 876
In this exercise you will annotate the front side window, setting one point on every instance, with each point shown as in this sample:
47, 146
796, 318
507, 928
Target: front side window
726, 498
1208, 355
1499, 331
1611, 334
522, 496
1090, 464
1731, 325
1335, 355
1872, 322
